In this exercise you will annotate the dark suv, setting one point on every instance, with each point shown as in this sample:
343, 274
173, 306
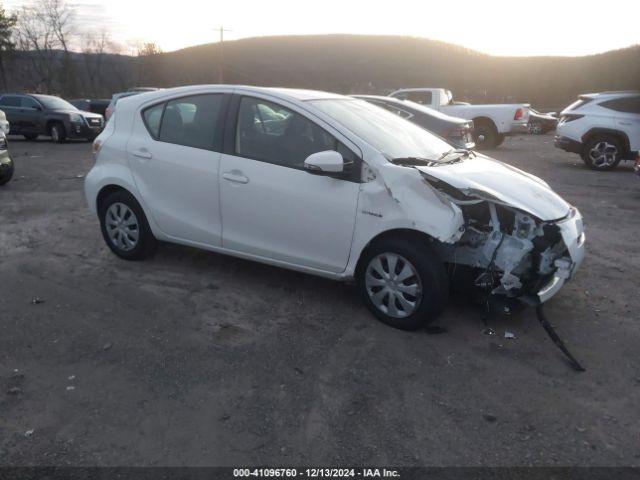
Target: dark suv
33, 115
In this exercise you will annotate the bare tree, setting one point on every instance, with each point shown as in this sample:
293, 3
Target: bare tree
96, 48
149, 71
43, 29
149, 49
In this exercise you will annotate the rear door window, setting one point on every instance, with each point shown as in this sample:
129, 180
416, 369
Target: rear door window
190, 121
152, 117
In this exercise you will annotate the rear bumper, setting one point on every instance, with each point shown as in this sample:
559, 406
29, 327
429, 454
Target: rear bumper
518, 128
567, 144
572, 231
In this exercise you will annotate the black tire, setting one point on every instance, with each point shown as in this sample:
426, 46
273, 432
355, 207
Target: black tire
485, 134
6, 176
500, 139
30, 136
610, 148
57, 132
146, 244
430, 272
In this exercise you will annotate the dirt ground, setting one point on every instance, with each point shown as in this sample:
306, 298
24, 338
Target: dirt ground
194, 358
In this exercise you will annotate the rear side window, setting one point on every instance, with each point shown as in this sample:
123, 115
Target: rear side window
152, 117
10, 101
192, 121
623, 104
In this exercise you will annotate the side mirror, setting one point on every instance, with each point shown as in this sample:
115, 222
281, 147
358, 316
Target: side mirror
328, 161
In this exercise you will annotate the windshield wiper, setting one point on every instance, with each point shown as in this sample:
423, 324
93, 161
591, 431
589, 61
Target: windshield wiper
410, 161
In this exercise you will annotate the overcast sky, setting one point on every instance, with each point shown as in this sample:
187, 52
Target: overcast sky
498, 27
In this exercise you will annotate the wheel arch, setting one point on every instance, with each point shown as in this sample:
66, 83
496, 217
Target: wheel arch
485, 120
49, 123
108, 190
608, 131
405, 233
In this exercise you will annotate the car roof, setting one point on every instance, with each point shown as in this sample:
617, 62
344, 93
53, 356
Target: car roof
414, 106
607, 94
284, 93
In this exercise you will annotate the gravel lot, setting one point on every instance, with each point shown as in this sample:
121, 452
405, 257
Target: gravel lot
194, 358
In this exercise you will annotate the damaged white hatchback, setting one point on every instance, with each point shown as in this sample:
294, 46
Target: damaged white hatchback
332, 186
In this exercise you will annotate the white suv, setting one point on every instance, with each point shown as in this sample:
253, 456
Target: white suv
332, 186
603, 128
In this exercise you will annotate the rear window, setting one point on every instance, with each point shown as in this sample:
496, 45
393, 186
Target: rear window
423, 98
579, 103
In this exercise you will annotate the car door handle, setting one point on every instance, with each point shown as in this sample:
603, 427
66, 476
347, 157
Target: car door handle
143, 154
235, 177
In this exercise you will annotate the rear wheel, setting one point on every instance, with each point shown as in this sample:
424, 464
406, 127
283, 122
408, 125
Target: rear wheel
57, 132
403, 283
536, 128
485, 134
602, 152
125, 228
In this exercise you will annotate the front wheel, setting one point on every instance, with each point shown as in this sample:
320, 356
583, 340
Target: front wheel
125, 228
602, 152
58, 133
403, 283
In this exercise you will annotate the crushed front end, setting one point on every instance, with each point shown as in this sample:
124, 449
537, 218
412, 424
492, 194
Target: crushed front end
509, 252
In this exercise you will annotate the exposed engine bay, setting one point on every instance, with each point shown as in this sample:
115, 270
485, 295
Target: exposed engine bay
510, 252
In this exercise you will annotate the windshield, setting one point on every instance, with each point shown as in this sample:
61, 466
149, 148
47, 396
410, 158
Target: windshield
387, 132
55, 103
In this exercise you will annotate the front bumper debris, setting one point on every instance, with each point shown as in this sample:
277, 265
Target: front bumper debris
572, 231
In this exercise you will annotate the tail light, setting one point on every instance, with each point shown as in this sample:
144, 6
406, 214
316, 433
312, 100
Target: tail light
519, 114
569, 117
95, 148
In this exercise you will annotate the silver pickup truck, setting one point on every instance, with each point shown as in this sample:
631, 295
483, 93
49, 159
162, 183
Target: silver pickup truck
491, 122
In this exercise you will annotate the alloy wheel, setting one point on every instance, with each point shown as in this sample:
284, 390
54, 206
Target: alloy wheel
122, 226
603, 154
393, 285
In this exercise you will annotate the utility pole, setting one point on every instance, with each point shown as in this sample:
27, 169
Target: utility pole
221, 55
